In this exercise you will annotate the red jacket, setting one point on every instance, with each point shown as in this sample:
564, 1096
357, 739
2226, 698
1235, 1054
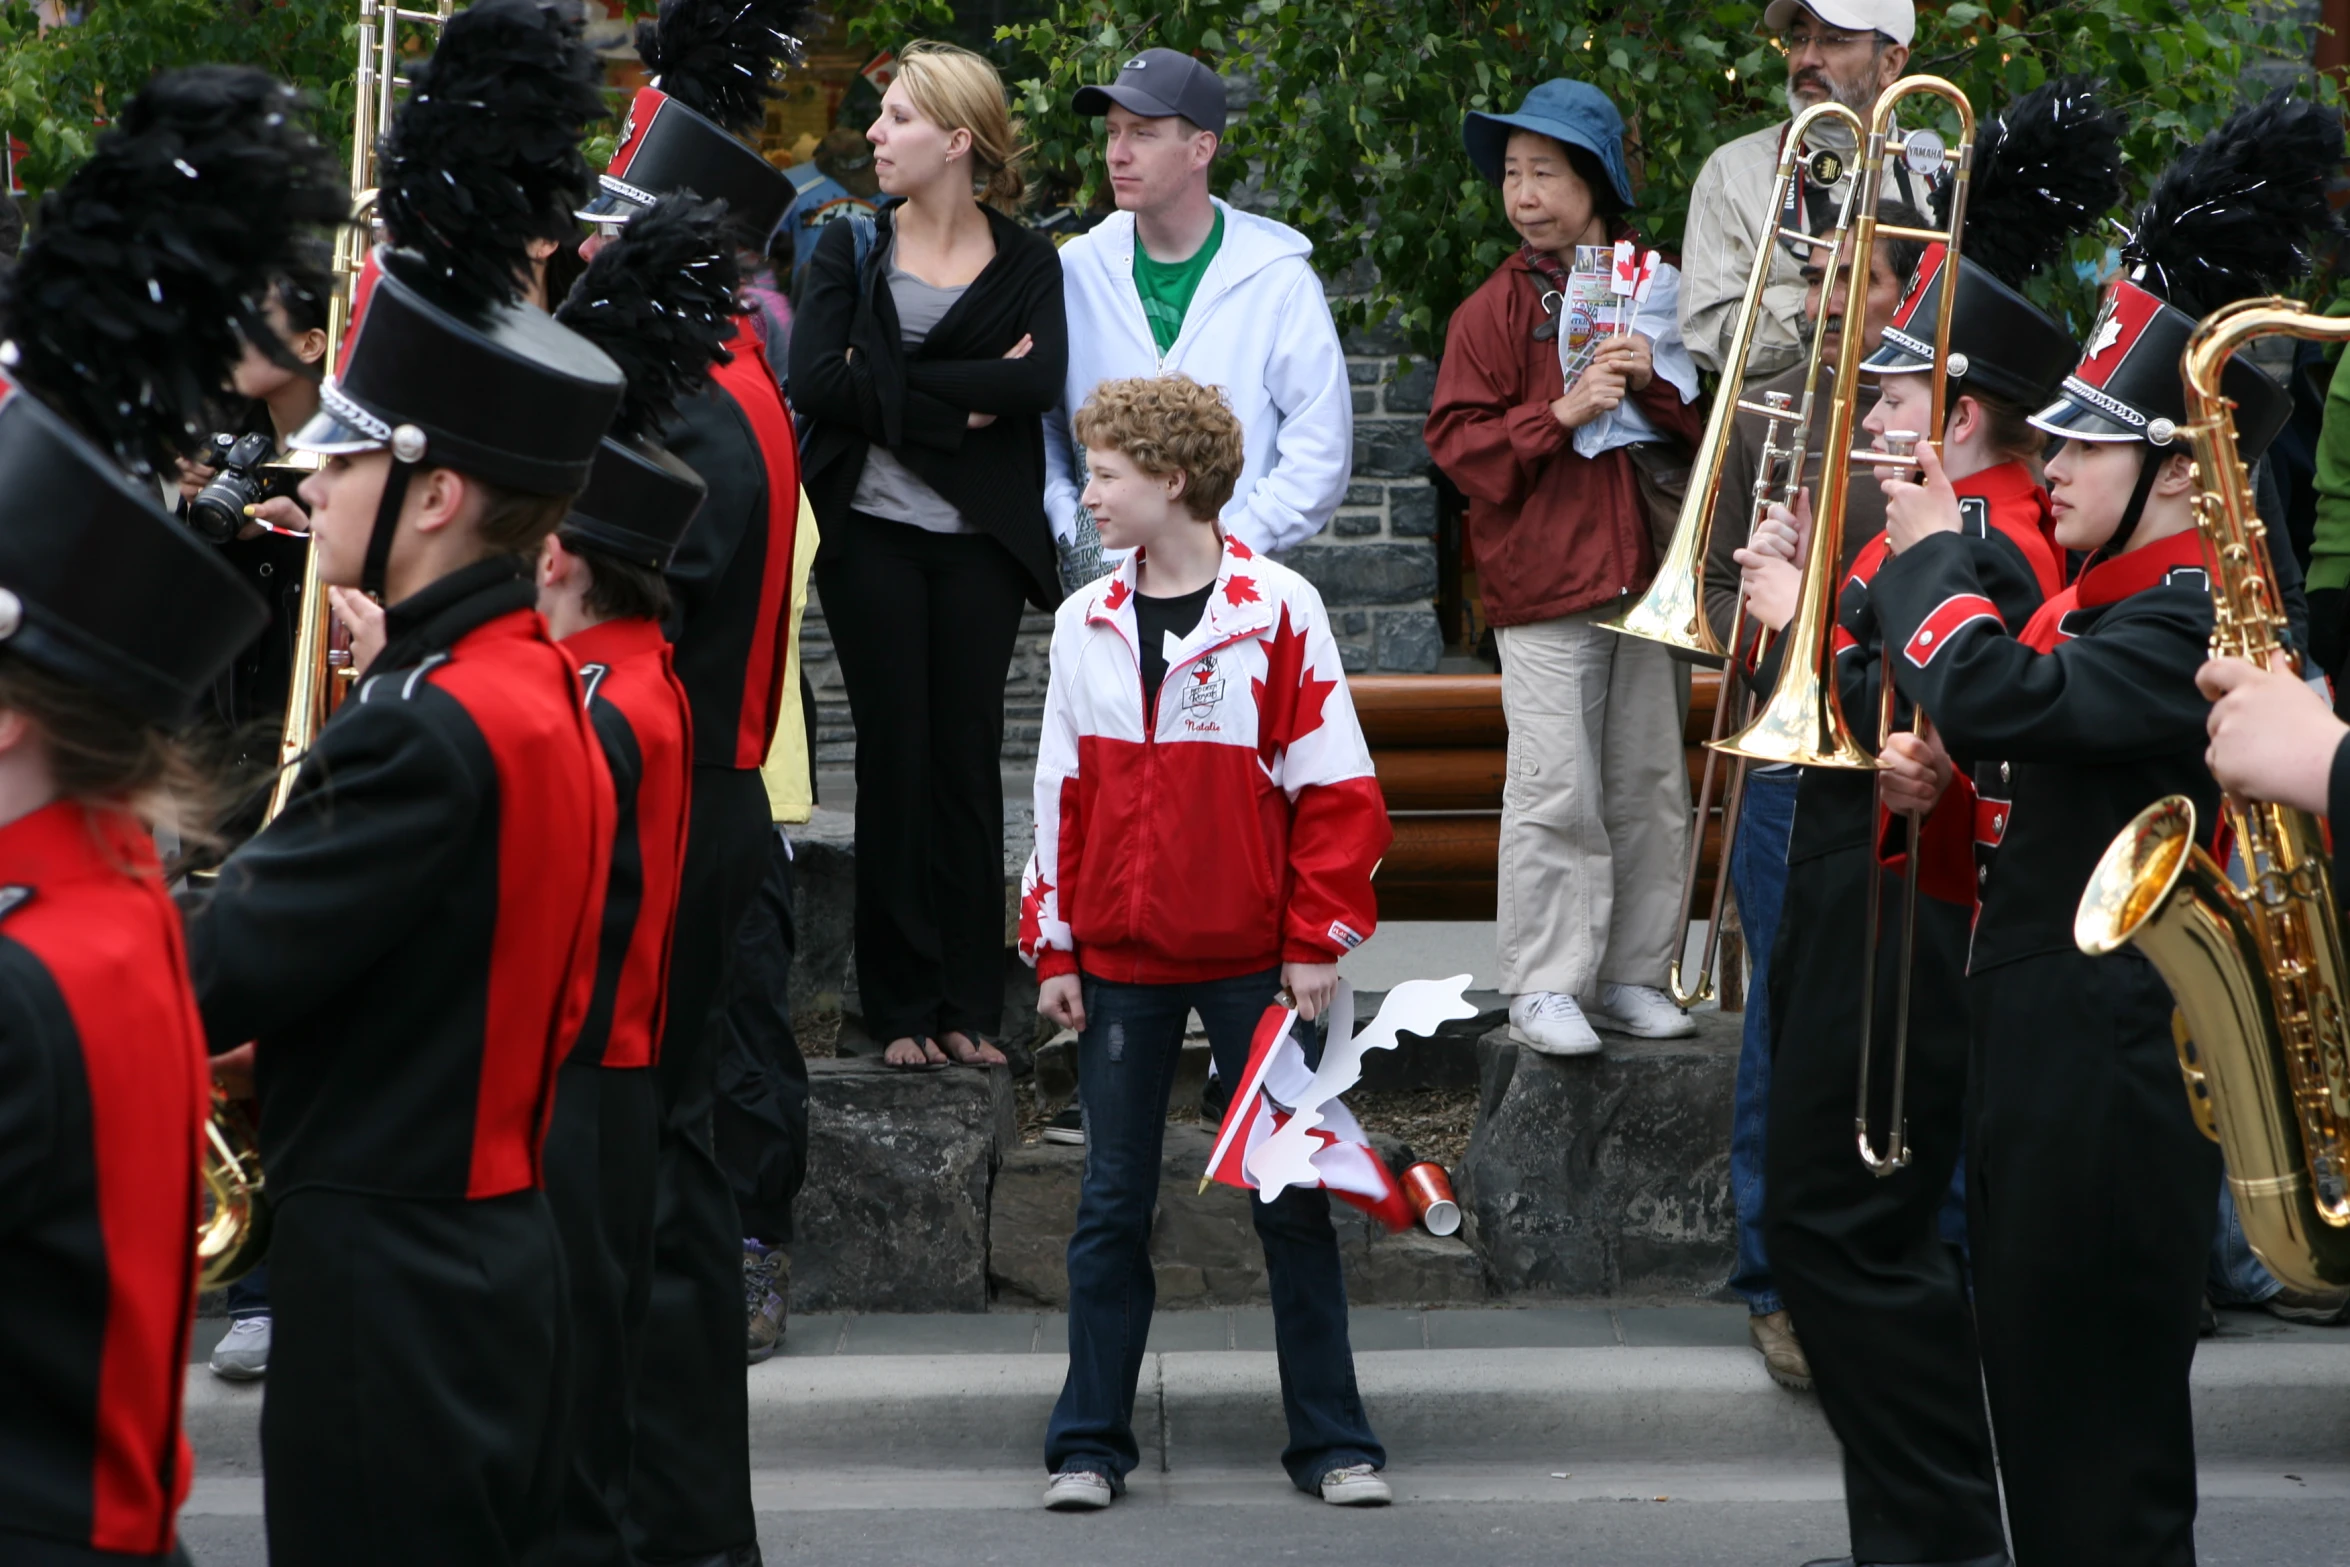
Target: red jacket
1236, 833
1554, 532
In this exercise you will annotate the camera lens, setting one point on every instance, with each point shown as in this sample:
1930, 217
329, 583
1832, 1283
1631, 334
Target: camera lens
218, 510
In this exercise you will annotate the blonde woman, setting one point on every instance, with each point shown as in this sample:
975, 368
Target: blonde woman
923, 376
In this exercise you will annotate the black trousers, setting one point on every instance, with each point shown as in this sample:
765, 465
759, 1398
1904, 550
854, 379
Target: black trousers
1876, 1294
690, 1486
599, 1162
2091, 1213
761, 1118
418, 1364
924, 624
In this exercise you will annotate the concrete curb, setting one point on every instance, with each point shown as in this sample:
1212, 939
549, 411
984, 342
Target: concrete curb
2285, 1403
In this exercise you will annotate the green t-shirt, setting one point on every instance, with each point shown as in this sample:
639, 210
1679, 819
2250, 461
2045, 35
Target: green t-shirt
1167, 286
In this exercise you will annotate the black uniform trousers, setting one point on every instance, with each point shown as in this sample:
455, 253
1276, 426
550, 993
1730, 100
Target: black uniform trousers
30, 1550
690, 1489
924, 624
761, 1121
418, 1361
599, 1162
1876, 1294
2091, 1214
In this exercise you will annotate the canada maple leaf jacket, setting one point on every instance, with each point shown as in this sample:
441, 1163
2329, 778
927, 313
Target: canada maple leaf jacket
1236, 833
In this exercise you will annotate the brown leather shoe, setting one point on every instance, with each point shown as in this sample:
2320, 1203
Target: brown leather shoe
1774, 1336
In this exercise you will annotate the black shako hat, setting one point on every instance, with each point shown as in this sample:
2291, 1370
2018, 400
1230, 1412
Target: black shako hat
2128, 385
2000, 342
666, 147
517, 399
97, 584
637, 504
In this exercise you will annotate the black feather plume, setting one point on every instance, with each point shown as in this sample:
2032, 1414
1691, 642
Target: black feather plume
719, 57
660, 300
2046, 168
484, 155
150, 267
2234, 216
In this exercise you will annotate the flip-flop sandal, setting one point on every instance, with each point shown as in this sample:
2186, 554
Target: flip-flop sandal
979, 1042
924, 1065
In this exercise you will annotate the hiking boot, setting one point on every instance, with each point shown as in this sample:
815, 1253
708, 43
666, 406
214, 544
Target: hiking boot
242, 1355
1551, 1024
766, 1282
2317, 1309
1078, 1491
1774, 1335
1357, 1485
1643, 1011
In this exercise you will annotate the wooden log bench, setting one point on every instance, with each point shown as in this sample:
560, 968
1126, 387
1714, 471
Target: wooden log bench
1440, 745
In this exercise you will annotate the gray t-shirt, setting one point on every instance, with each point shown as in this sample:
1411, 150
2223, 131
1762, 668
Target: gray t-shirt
887, 487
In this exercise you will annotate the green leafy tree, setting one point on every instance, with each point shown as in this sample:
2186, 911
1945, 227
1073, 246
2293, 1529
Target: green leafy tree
1353, 110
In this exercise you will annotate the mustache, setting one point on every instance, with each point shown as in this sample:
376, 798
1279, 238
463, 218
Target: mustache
1811, 76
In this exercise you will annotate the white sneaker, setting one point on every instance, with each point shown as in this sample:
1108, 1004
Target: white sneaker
1645, 1011
1357, 1485
1552, 1024
1077, 1490
242, 1355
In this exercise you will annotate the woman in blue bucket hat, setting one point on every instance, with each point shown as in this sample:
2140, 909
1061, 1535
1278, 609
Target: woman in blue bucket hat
1567, 414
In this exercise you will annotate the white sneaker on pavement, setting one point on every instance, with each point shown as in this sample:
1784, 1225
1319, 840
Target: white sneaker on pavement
1552, 1024
1645, 1011
1357, 1485
1077, 1490
242, 1355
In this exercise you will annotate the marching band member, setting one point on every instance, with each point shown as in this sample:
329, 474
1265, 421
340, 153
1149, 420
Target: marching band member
1878, 1292
103, 1082
412, 942
2087, 1178
730, 582
660, 302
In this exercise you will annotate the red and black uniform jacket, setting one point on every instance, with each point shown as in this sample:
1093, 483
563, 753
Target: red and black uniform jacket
413, 941
103, 1094
640, 713
2003, 517
2071, 726
730, 583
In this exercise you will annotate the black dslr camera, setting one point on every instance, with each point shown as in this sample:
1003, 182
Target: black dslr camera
240, 479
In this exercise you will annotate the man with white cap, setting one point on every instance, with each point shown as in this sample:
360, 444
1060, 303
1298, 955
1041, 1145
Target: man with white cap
1846, 50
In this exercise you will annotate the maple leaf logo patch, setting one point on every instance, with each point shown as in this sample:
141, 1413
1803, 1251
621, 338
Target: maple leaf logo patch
1289, 698
1241, 590
1117, 594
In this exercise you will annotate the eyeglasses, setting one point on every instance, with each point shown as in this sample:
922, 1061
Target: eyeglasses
1829, 43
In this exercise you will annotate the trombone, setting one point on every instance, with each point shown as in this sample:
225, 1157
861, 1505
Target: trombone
1804, 722
1672, 611
232, 1226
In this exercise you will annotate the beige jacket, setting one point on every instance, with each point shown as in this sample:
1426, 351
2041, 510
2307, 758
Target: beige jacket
788, 774
1729, 212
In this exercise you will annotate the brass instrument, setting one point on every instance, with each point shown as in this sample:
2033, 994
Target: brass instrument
2258, 971
1672, 611
232, 1230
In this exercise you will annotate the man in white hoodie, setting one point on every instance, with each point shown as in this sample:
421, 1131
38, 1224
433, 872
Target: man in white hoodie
1176, 280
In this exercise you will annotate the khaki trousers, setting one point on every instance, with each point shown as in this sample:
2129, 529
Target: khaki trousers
1595, 811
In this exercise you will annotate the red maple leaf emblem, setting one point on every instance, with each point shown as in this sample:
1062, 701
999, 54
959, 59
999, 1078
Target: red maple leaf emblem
1032, 914
1241, 590
1117, 594
1239, 550
1202, 675
1289, 698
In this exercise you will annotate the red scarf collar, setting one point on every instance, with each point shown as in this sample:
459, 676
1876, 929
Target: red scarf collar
2111, 580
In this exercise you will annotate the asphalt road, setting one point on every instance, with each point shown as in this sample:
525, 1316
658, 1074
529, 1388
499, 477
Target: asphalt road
1467, 1518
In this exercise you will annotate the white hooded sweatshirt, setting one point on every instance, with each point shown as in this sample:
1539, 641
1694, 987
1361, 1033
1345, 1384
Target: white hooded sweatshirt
1260, 329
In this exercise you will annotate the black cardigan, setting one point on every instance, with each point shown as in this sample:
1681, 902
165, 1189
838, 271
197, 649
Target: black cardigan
855, 385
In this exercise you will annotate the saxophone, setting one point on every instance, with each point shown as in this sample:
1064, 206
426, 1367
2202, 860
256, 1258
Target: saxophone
2257, 971
232, 1227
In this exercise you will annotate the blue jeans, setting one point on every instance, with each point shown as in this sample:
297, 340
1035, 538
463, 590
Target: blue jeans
249, 1296
1125, 1069
1758, 875
2235, 1276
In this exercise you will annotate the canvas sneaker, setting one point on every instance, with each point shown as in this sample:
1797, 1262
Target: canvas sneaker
1551, 1023
1357, 1485
242, 1355
1078, 1490
766, 1284
1068, 1126
1644, 1011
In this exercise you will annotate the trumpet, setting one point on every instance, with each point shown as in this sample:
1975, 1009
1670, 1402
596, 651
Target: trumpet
1672, 610
2258, 972
232, 1228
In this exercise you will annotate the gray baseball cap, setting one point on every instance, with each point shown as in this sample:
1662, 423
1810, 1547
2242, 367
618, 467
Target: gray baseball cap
1157, 83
